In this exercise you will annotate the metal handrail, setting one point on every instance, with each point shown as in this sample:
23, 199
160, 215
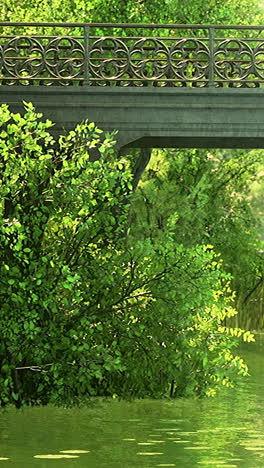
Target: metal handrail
132, 25
112, 60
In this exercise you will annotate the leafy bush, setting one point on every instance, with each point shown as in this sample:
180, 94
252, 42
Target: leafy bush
84, 311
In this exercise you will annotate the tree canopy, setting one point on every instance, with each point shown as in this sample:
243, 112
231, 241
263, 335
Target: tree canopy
135, 11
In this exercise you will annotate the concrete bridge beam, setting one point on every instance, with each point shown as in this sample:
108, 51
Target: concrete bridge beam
151, 116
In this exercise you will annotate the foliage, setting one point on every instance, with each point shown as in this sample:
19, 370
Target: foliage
83, 310
207, 194
57, 213
87, 310
135, 11
257, 200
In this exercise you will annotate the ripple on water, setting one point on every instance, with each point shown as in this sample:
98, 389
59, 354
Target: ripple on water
146, 443
217, 463
199, 447
166, 429
74, 451
55, 457
253, 442
166, 464
255, 445
181, 441
255, 449
212, 462
134, 420
150, 453
157, 441
187, 433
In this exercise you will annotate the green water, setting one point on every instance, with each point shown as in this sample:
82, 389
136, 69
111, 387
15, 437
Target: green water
227, 431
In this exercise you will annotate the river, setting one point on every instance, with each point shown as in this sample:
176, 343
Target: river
222, 432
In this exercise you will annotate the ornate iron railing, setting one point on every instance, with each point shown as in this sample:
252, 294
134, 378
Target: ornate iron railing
131, 55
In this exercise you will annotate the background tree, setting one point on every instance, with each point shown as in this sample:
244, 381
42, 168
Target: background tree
135, 11
208, 195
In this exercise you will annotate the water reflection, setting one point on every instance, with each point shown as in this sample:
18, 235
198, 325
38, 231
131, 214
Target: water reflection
225, 432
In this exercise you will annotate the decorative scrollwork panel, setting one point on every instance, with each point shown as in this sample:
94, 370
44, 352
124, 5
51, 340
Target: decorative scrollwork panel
240, 62
64, 58
108, 60
22, 58
189, 60
149, 60
26, 60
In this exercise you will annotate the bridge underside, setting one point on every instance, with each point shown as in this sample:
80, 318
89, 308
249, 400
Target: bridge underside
153, 117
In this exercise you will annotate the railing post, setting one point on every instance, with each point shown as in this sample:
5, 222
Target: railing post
211, 57
86, 61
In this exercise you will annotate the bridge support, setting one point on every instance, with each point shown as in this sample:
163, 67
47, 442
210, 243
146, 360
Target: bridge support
151, 116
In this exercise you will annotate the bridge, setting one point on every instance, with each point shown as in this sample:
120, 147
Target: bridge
158, 85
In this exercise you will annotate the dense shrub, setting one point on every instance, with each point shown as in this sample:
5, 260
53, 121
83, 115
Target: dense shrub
84, 311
